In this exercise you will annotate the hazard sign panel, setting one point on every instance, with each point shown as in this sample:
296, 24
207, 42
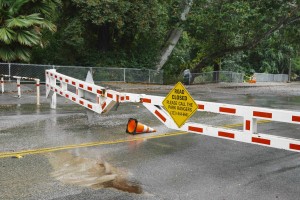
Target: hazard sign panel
179, 104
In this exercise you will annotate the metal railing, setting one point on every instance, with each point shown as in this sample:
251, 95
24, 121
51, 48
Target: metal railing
217, 77
264, 77
100, 74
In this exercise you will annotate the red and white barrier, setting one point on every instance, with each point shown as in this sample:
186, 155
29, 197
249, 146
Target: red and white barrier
37, 83
104, 100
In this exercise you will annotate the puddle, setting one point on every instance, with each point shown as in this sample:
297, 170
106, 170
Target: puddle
85, 172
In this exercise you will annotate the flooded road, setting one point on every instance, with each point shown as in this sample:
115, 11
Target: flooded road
67, 157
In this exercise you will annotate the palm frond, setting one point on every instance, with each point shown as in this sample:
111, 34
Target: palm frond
24, 21
16, 6
23, 54
48, 25
7, 54
7, 35
28, 38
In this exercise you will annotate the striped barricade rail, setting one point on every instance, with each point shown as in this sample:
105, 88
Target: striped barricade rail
105, 99
19, 78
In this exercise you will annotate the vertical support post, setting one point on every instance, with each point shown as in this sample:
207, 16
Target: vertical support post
37, 83
124, 75
9, 71
52, 83
53, 101
290, 71
2, 85
19, 87
250, 125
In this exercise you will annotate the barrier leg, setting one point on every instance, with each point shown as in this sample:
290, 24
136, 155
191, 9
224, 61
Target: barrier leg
2, 85
250, 125
19, 87
53, 101
37, 91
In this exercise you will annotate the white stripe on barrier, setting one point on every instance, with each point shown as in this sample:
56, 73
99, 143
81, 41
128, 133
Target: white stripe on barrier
106, 99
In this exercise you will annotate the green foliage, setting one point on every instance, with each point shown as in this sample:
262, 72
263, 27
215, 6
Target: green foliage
22, 23
233, 31
123, 33
241, 36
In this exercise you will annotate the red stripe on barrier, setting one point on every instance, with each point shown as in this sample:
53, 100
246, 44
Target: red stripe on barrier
51, 88
60, 78
117, 96
73, 83
55, 90
55, 76
296, 118
67, 81
195, 129
81, 85
160, 116
37, 84
261, 141
103, 106
67, 96
90, 88
47, 72
60, 93
127, 98
295, 147
247, 125
51, 74
47, 85
262, 114
99, 91
227, 110
90, 106
73, 98
144, 100
81, 102
226, 134
110, 95
122, 98
200, 107
18, 85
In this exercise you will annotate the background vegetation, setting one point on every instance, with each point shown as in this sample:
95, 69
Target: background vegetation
240, 36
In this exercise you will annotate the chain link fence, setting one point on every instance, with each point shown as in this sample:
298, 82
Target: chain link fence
100, 74
217, 77
264, 77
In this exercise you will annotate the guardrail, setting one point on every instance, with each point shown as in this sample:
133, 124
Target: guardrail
100, 100
37, 84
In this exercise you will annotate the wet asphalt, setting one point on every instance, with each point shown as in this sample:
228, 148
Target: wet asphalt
186, 166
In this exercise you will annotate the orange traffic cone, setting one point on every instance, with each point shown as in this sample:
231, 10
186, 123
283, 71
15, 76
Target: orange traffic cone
135, 127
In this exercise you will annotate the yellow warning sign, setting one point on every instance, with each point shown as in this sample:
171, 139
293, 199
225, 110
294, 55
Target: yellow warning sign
179, 104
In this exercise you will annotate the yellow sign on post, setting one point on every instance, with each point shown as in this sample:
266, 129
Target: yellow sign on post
179, 104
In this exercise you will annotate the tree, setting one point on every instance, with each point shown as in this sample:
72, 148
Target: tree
174, 35
115, 33
22, 23
225, 27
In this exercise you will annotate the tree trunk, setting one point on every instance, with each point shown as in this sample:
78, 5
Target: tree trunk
103, 38
173, 38
216, 73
